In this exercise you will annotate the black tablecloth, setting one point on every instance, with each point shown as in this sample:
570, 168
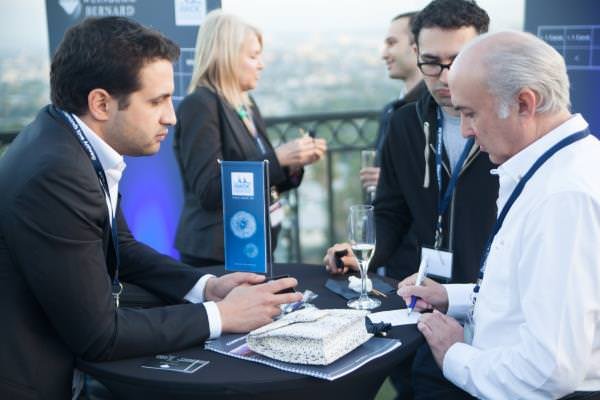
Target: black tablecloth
227, 377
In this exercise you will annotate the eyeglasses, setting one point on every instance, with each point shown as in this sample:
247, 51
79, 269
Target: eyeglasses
433, 69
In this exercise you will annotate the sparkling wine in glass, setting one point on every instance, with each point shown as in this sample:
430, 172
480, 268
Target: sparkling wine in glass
361, 234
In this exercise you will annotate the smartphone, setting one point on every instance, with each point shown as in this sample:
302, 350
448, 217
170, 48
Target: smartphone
339, 264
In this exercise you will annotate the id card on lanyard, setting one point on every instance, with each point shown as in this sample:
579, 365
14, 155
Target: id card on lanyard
470, 322
439, 262
117, 287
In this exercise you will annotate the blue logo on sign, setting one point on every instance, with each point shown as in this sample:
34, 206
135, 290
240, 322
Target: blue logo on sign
243, 224
251, 250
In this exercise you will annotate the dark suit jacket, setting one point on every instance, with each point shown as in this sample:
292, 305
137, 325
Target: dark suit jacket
55, 291
208, 129
386, 115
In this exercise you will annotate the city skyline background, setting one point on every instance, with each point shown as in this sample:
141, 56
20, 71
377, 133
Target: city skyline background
319, 56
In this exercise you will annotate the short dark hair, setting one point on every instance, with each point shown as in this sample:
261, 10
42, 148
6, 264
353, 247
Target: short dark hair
451, 14
105, 53
411, 17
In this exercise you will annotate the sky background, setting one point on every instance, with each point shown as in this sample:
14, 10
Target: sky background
272, 16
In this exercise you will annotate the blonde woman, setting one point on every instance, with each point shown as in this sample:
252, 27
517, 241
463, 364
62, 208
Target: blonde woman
219, 120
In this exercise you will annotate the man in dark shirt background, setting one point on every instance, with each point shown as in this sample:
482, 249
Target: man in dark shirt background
401, 64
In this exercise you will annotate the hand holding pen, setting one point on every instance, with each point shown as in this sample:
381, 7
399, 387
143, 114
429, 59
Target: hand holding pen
425, 295
420, 277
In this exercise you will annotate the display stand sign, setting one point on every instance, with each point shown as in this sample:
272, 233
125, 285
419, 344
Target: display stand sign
245, 189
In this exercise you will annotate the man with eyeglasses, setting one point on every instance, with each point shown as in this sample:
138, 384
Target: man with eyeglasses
435, 194
436, 197
414, 207
435, 189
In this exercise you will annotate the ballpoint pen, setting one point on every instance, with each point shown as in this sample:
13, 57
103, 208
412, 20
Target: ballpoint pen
420, 277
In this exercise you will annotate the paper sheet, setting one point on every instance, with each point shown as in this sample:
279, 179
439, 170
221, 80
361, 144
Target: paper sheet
395, 317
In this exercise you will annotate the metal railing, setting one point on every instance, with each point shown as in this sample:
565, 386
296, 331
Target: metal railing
346, 133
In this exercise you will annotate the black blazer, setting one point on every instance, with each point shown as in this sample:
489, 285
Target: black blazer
55, 291
208, 129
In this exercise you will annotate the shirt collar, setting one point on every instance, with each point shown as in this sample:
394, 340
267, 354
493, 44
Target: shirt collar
518, 165
109, 157
402, 94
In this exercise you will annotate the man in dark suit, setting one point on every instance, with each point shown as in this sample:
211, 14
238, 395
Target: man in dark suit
64, 244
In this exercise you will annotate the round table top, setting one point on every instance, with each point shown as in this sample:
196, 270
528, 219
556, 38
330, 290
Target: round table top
227, 376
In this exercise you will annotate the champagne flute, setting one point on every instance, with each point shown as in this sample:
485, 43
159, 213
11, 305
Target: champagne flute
367, 160
361, 234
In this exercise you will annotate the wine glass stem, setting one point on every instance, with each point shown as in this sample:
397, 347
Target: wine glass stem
363, 279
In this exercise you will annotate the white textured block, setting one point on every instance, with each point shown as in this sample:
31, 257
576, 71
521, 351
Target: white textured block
311, 336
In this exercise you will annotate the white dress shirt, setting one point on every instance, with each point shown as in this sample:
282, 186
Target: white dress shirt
537, 315
114, 165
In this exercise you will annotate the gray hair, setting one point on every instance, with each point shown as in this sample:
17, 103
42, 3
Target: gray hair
521, 60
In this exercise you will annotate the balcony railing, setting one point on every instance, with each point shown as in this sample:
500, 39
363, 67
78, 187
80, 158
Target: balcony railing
317, 210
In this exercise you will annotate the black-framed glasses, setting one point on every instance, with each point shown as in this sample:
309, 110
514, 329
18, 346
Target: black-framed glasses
433, 69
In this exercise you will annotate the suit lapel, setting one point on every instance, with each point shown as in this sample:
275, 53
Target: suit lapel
239, 132
107, 244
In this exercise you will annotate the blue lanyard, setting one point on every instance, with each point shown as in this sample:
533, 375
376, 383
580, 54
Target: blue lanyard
260, 145
517, 192
89, 149
444, 201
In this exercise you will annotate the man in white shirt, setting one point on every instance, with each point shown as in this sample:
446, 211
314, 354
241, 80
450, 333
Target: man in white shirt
65, 246
532, 323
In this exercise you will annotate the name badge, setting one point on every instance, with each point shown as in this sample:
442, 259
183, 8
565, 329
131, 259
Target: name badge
439, 262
